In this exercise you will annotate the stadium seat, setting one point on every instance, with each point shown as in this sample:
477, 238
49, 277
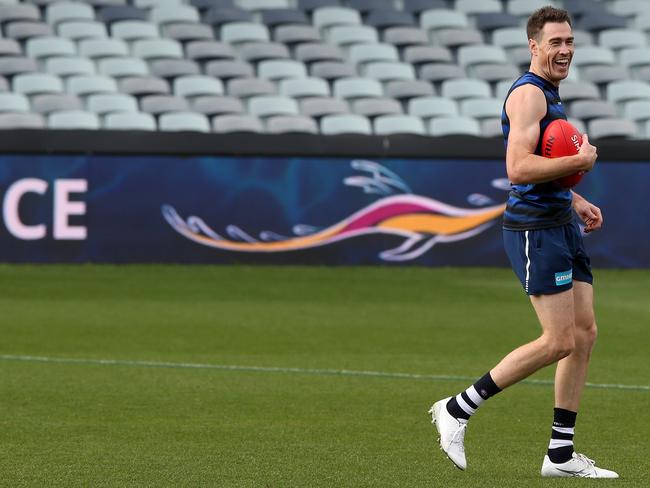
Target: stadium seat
598, 21
85, 85
19, 11
183, 121
133, 30
197, 85
493, 73
593, 55
475, 7
439, 72
218, 16
37, 83
291, 124
376, 106
326, 17
13, 102
617, 39
254, 52
13, 65
332, 70
592, 109
418, 55
169, 14
346, 35
416, 7
430, 107
384, 19
104, 103
458, 89
227, 69
9, 47
171, 68
364, 53
73, 119
311, 5
629, 8
317, 107
203, 5
218, 105
350, 88
483, 108
120, 67
454, 38
54, 102
578, 90
151, 49
637, 110
40, 48
24, 30
186, 32
103, 48
236, 33
264, 106
312, 52
633, 58
208, 50
294, 34
607, 128
257, 5
398, 124
63, 11
276, 17
445, 126
140, 86
491, 127
626, 90
76, 30
236, 123
304, 87
365, 6
509, 37
69, 66
436, 18
129, 121
523, 8
250, 87
278, 69
20, 120
582, 38
115, 13
490, 21
480, 54
601, 75
403, 37
386, 71
337, 124
406, 89
160, 104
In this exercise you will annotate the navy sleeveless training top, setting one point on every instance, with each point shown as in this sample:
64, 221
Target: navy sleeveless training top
541, 205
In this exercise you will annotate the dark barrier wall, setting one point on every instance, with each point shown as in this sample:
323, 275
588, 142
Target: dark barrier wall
314, 209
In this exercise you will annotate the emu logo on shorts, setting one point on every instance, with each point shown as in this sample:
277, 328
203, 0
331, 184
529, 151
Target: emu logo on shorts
563, 277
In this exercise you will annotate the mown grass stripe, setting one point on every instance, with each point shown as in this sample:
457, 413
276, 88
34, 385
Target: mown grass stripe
273, 369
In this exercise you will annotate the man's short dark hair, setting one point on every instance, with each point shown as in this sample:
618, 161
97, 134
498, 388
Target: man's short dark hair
542, 16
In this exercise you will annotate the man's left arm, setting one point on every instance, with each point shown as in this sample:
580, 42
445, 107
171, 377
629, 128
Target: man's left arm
588, 212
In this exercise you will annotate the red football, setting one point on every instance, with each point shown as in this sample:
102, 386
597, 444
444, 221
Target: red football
562, 139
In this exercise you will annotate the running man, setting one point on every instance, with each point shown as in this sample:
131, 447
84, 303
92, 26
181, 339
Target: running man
544, 245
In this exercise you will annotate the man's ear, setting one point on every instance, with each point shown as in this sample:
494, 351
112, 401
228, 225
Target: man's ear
532, 46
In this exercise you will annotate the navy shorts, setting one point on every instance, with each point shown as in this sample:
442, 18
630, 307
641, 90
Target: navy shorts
546, 261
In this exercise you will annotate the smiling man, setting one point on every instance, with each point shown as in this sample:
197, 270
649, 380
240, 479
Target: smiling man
545, 247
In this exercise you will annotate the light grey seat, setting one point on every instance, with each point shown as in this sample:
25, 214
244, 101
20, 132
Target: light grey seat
317, 107
129, 121
250, 87
433, 19
19, 11
348, 88
373, 107
386, 71
405, 36
73, 119
332, 70
582, 38
578, 90
612, 128
465, 88
230, 123
24, 30
637, 110
121, 67
63, 11
171, 68
481, 54
418, 55
617, 39
69, 66
304, 87
337, 124
326, 17
197, 85
634, 57
21, 120
591, 109
160, 104
455, 38
345, 35
40, 48
604, 74
36, 83
509, 37
445, 126
54, 102
440, 72
295, 34
188, 32
629, 8
278, 69
406, 89
208, 50
9, 47
151, 49
218, 105
491, 127
257, 5
139, 86
167, 14
13, 102
493, 73
76, 30
85, 85
430, 107
102, 48
593, 55
13, 65
184, 121
291, 124
626, 90
523, 8
240, 32
264, 106
227, 69
365, 53
104, 103
482, 108
133, 30
520, 56
474, 7
311, 52
398, 124
254, 52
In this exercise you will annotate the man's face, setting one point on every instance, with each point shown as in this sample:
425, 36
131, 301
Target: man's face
552, 51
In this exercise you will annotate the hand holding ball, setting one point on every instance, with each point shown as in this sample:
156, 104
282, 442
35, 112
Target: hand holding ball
560, 139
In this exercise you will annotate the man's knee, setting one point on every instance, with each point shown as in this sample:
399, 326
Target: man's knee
586, 334
559, 346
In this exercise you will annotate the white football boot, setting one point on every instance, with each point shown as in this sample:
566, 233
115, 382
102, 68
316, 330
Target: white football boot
451, 431
579, 466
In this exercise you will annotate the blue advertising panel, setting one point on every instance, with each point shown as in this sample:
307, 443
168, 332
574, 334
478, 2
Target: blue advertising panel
126, 209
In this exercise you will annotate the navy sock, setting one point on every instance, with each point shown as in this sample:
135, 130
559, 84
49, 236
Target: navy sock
464, 405
560, 448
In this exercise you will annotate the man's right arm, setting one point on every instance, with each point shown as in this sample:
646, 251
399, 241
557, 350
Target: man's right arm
525, 107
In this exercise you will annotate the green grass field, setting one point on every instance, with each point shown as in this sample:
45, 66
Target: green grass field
254, 377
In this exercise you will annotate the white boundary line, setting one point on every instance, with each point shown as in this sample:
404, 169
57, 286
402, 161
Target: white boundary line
270, 369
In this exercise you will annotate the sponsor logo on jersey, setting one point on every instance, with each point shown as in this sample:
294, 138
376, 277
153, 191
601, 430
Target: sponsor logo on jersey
563, 277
